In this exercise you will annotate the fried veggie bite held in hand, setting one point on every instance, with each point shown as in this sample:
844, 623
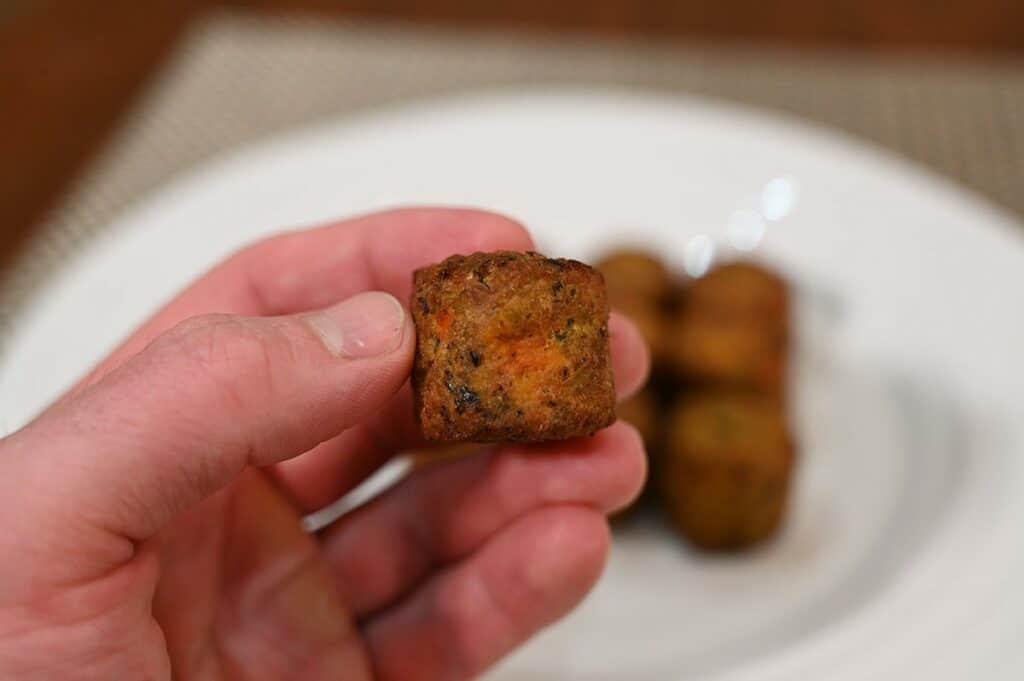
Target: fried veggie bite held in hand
511, 347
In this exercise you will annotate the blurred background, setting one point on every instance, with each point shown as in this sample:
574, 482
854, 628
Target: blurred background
71, 70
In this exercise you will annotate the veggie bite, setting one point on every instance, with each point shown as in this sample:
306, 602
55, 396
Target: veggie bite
726, 469
732, 330
635, 274
511, 347
638, 286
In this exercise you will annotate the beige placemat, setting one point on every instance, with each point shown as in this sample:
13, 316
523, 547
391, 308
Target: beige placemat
239, 77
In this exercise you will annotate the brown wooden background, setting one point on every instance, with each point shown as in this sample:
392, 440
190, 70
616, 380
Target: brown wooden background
70, 68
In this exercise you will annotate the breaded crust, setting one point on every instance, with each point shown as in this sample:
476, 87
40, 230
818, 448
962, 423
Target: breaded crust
726, 469
630, 273
511, 347
732, 330
708, 352
639, 286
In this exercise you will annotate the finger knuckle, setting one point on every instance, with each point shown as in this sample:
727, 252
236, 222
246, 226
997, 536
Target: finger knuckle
224, 349
459, 608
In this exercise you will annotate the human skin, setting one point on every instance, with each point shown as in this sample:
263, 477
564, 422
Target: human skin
151, 516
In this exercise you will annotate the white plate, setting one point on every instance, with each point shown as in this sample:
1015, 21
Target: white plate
902, 553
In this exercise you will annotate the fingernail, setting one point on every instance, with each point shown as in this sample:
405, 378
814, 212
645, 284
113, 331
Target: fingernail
366, 325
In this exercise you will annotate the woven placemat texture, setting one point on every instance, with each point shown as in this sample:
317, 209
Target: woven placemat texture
240, 77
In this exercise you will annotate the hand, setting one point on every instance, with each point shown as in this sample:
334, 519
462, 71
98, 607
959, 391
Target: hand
151, 516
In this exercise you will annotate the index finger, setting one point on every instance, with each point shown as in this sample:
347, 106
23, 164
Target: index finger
313, 268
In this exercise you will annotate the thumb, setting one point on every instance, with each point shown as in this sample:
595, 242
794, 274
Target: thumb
185, 416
